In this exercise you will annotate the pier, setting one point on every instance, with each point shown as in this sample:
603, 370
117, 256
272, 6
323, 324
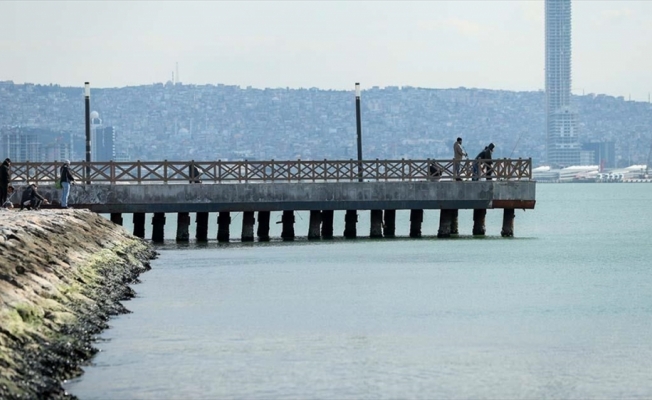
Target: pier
256, 188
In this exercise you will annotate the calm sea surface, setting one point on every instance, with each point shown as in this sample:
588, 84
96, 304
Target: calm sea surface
564, 310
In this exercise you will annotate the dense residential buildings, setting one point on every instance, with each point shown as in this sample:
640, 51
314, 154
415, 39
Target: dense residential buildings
562, 139
212, 122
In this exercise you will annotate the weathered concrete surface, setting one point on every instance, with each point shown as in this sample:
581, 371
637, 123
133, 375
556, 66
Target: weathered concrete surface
241, 197
62, 274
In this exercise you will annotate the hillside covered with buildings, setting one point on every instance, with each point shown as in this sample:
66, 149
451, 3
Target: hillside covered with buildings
210, 122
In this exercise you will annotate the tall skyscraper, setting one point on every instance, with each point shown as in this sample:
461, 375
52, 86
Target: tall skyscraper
102, 139
562, 140
103, 144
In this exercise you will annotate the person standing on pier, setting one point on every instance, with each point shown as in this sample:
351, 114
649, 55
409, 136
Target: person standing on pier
458, 154
66, 180
5, 178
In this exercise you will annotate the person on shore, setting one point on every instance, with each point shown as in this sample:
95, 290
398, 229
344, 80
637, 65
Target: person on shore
32, 199
10, 193
458, 155
66, 180
483, 163
5, 178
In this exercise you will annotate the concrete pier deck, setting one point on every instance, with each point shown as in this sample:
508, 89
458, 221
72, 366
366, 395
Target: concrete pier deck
242, 197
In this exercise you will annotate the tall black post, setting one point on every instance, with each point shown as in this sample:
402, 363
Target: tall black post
359, 128
87, 97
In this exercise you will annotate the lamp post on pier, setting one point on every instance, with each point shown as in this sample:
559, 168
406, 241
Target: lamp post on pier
359, 129
87, 101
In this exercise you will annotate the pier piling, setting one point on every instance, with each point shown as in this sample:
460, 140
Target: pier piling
139, 225
263, 226
315, 224
416, 218
202, 227
350, 222
116, 218
327, 224
478, 222
223, 230
158, 228
508, 223
183, 222
248, 221
445, 223
389, 223
288, 225
376, 227
454, 225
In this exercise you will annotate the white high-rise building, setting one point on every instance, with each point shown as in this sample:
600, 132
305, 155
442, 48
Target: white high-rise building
102, 139
562, 139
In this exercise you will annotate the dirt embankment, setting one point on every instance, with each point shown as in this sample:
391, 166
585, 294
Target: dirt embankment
63, 273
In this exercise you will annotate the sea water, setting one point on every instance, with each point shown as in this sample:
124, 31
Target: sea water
563, 310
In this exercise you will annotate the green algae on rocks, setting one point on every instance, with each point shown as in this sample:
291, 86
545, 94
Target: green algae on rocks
63, 274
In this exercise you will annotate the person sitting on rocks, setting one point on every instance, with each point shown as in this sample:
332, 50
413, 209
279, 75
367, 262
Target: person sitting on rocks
32, 199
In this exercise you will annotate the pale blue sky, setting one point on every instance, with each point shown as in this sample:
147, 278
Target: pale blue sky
324, 44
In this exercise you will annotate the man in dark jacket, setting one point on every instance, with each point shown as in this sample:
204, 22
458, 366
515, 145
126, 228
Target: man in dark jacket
32, 199
483, 162
5, 178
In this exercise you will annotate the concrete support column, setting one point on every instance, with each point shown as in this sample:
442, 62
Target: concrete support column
376, 228
202, 227
158, 228
288, 225
116, 218
183, 222
416, 218
327, 224
350, 221
315, 225
139, 225
248, 221
223, 222
389, 223
263, 226
478, 222
454, 227
508, 223
445, 223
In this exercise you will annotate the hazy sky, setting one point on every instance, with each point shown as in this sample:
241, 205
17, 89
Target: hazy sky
324, 44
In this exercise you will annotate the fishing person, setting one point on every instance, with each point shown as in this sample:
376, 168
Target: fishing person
66, 180
32, 199
483, 163
458, 155
195, 173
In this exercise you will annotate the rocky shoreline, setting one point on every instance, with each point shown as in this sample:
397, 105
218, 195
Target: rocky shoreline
63, 274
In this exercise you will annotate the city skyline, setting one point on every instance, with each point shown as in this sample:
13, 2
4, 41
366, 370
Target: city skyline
329, 45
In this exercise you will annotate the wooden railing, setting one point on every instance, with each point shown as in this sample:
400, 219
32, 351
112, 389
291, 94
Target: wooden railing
274, 171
